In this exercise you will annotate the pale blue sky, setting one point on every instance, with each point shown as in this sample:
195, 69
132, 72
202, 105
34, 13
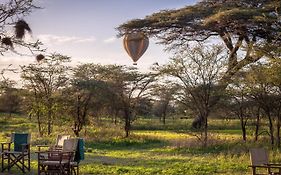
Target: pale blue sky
85, 30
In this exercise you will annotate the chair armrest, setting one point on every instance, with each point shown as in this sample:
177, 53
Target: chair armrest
55, 155
7, 145
264, 166
42, 146
275, 164
42, 155
56, 148
25, 147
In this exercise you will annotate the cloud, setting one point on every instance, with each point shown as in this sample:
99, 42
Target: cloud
110, 40
54, 39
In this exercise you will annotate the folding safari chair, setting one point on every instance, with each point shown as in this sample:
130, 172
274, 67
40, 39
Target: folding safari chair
79, 155
18, 156
58, 144
57, 161
259, 160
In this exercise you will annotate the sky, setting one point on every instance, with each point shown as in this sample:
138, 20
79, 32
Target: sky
86, 31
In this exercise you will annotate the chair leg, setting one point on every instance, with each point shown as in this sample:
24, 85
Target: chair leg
9, 162
23, 168
254, 170
2, 162
28, 156
77, 170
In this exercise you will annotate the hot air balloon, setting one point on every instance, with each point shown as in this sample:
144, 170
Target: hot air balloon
135, 45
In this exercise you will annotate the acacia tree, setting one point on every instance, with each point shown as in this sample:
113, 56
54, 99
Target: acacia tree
117, 88
165, 95
251, 28
45, 80
12, 13
263, 83
9, 95
196, 73
237, 102
87, 94
128, 86
275, 80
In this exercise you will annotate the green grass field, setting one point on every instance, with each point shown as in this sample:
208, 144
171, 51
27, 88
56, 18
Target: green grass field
152, 147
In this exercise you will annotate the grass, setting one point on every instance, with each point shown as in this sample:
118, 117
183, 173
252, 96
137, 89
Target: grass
152, 148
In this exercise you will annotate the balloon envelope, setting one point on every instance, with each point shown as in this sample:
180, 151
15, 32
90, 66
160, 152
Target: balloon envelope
135, 45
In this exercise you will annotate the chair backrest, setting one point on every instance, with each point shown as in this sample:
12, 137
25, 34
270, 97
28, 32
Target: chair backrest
259, 156
79, 154
20, 138
60, 139
70, 145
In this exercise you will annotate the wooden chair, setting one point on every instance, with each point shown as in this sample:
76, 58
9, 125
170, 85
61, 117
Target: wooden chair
259, 160
18, 156
79, 155
57, 161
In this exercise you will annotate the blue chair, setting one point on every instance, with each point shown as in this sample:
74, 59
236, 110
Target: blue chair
18, 156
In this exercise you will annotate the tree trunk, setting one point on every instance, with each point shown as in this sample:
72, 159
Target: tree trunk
243, 127
205, 116
164, 118
50, 120
271, 129
115, 117
127, 127
49, 123
278, 127
257, 125
242, 123
39, 123
166, 104
244, 133
205, 140
76, 130
127, 122
278, 132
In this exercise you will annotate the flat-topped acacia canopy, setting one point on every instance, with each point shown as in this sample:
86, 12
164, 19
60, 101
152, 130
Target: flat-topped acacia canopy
252, 18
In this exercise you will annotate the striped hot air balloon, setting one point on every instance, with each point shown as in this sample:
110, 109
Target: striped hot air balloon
135, 45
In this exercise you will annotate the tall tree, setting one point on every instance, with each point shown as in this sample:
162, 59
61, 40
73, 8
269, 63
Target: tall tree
237, 102
87, 94
118, 87
129, 87
251, 28
258, 81
45, 80
197, 72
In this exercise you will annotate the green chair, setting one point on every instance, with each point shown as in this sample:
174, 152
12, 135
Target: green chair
79, 155
18, 156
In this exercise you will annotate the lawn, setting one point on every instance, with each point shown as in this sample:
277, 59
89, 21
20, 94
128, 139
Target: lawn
152, 148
